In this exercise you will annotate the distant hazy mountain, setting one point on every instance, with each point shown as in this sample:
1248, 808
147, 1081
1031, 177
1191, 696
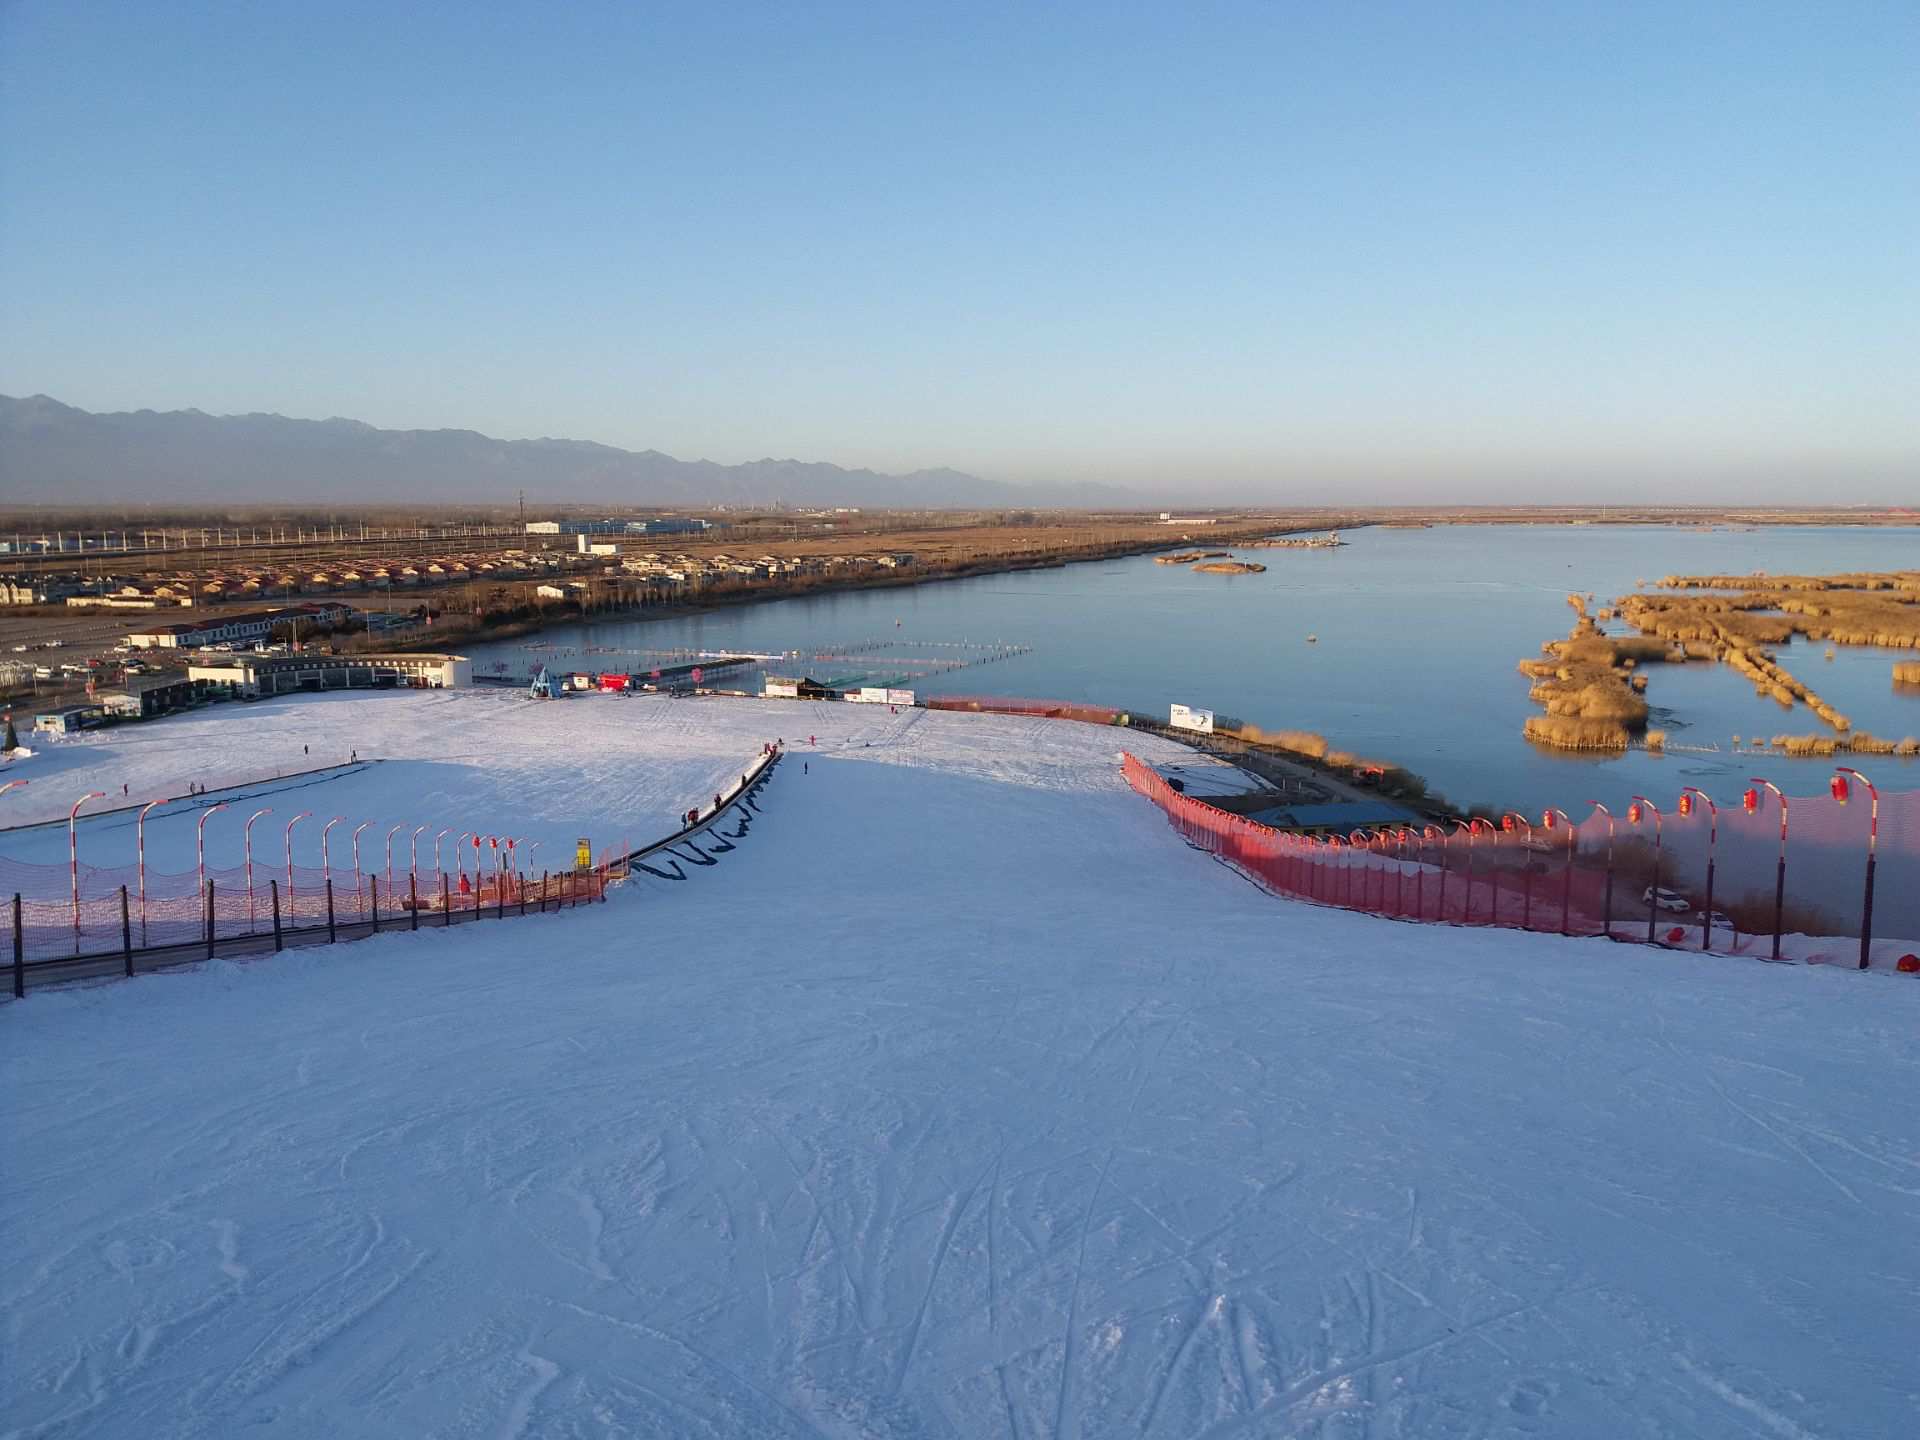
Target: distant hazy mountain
53, 454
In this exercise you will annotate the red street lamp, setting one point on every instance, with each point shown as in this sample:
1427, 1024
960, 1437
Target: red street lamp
73, 857
436, 849
390, 834
326, 854
459, 854
1548, 820
303, 815
413, 853
1474, 826
1713, 837
246, 835
1635, 812
363, 825
200, 843
1466, 905
1751, 802
1431, 832
1399, 838
12, 785
140, 859
1516, 824
1356, 844
1607, 925
1838, 786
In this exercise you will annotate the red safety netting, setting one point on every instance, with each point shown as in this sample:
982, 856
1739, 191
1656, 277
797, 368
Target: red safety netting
1687, 878
178, 910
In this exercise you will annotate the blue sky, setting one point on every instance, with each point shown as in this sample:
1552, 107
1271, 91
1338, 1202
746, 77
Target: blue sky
1423, 251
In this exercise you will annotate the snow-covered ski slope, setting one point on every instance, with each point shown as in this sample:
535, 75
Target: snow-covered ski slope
962, 1099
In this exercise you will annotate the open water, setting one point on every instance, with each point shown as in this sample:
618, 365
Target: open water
1418, 634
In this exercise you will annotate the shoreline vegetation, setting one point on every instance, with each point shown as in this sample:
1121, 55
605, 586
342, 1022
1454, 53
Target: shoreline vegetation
1309, 747
1329, 541
1591, 689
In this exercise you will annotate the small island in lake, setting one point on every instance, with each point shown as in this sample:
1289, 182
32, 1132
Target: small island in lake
1187, 557
1231, 567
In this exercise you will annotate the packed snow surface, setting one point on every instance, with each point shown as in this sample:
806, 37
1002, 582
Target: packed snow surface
961, 1099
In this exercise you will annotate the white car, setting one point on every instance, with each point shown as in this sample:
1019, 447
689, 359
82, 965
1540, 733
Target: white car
1666, 900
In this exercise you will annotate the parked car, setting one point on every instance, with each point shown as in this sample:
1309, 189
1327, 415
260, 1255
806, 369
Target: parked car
1717, 921
1666, 900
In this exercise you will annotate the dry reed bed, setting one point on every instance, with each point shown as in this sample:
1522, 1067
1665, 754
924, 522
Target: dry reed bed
1593, 700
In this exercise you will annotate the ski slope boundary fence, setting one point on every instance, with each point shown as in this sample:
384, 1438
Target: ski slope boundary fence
1729, 882
125, 923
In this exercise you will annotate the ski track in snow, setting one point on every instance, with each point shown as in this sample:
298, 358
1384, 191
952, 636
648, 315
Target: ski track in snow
960, 1099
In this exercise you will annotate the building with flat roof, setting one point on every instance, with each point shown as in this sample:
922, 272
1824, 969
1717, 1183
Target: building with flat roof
67, 719
256, 675
145, 696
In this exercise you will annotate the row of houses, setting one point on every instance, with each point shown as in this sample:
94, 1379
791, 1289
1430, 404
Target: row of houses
187, 589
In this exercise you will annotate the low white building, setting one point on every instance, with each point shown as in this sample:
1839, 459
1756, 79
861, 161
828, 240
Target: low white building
285, 674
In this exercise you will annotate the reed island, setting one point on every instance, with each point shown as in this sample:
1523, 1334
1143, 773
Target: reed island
1593, 690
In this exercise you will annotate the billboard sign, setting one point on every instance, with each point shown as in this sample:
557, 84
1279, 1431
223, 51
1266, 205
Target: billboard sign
582, 854
1185, 717
900, 697
782, 689
868, 695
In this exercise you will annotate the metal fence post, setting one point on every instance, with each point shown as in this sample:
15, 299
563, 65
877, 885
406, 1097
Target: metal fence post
1779, 898
1866, 916
19, 954
373, 888
446, 902
278, 943
332, 935
209, 919
126, 933
500, 895
413, 902
1706, 922
1606, 925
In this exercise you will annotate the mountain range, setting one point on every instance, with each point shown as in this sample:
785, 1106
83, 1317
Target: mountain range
55, 454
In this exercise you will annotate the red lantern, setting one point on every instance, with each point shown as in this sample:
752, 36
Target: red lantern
1506, 823
1840, 789
1686, 803
1546, 821
1750, 802
1633, 814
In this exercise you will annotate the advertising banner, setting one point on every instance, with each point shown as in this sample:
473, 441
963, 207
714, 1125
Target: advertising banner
1185, 717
